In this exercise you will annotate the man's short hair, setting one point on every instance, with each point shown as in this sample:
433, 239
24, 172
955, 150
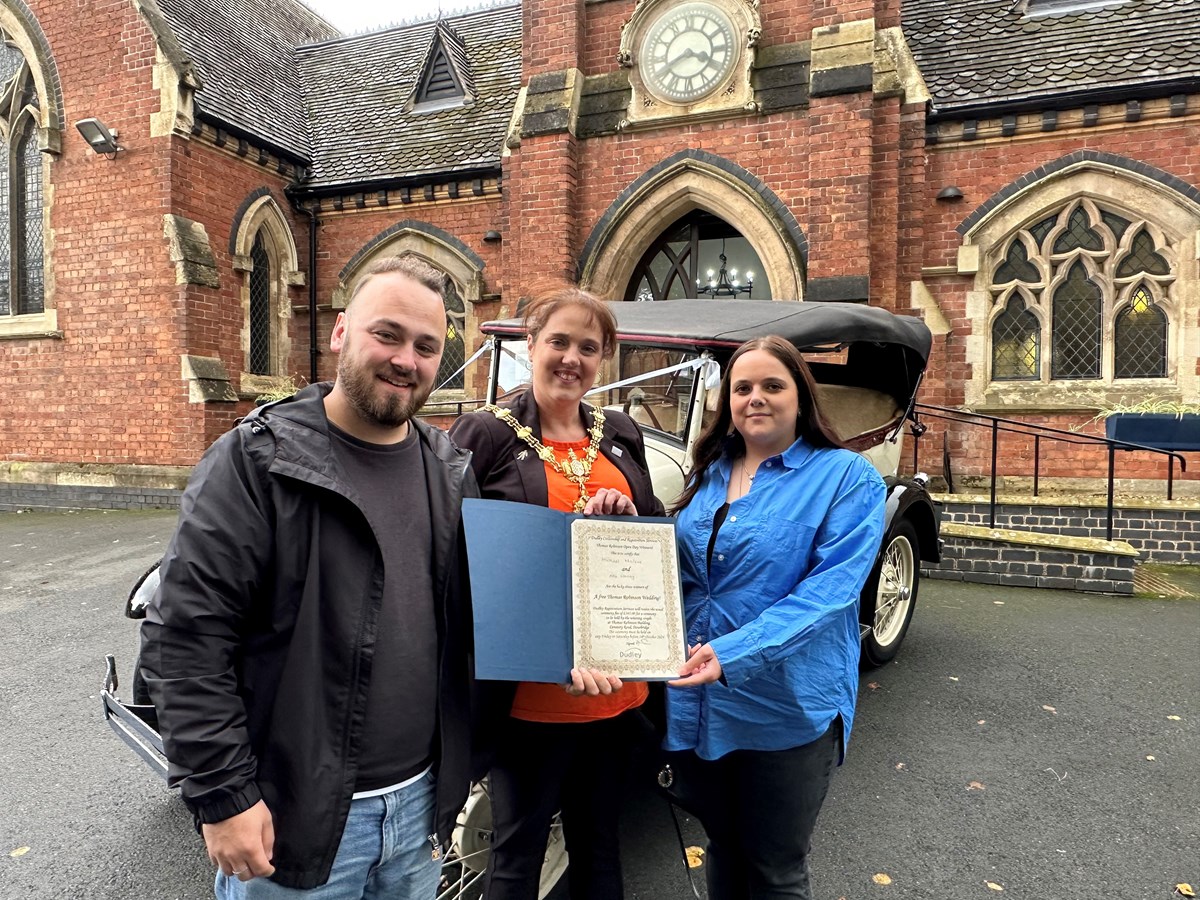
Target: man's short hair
405, 264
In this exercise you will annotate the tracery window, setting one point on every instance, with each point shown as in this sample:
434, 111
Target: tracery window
689, 255
265, 254
22, 280
454, 351
1092, 286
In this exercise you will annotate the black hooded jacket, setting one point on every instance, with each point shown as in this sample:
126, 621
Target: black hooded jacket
257, 648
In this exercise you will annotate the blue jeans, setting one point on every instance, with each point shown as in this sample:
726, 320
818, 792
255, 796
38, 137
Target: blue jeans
384, 854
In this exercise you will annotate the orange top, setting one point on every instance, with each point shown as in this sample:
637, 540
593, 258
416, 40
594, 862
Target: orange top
536, 702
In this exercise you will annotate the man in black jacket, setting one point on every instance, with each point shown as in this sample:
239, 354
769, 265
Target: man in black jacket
307, 649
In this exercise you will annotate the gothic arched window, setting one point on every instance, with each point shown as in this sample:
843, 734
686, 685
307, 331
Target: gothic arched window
22, 266
1093, 286
454, 351
259, 358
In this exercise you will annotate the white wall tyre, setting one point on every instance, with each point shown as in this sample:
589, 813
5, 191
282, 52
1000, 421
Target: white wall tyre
890, 594
466, 860
554, 866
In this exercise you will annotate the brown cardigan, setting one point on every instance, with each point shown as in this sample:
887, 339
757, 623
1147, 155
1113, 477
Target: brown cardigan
505, 472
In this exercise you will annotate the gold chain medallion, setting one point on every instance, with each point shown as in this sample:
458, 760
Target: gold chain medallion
574, 469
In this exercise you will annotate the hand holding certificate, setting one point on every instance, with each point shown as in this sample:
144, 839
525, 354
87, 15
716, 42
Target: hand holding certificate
553, 591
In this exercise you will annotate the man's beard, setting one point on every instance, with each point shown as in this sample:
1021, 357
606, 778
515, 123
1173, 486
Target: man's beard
385, 409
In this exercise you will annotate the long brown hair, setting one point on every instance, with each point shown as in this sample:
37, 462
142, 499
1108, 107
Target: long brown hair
810, 424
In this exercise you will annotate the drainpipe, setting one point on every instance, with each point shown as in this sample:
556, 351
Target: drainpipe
313, 352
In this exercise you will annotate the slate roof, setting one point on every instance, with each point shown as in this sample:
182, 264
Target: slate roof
357, 90
244, 54
990, 53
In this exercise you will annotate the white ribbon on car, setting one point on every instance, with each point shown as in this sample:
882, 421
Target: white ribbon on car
711, 370
700, 362
478, 353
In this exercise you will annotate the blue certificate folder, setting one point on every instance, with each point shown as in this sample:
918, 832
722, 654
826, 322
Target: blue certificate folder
519, 557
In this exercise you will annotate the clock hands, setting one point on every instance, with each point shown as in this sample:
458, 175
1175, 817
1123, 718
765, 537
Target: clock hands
702, 55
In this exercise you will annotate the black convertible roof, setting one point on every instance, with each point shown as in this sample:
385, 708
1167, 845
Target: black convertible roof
886, 352
729, 323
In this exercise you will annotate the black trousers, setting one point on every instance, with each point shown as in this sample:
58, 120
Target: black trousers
541, 768
759, 808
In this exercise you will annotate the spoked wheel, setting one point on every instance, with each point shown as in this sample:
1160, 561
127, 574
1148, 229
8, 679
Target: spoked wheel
467, 858
890, 594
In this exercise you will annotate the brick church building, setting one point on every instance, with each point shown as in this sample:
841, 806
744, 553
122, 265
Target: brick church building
189, 187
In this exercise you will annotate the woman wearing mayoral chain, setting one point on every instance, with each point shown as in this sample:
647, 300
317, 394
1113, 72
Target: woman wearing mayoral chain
778, 528
561, 748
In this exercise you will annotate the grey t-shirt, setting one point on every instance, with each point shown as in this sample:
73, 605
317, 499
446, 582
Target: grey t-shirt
398, 740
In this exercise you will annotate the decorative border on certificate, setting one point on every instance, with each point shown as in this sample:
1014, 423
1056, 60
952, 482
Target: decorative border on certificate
628, 614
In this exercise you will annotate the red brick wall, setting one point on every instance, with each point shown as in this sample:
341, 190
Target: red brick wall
980, 170
109, 391
343, 234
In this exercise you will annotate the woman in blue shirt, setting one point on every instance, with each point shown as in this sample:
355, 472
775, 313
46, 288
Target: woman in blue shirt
778, 529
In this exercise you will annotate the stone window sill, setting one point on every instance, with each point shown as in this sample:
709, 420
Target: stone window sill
30, 327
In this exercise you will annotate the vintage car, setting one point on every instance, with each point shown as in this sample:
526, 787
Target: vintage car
868, 364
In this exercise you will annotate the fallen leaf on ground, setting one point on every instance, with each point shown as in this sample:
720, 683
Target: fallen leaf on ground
881, 878
1173, 718
993, 886
873, 685
976, 786
900, 765
1185, 890
981, 722
1151, 758
1050, 709
20, 851
695, 857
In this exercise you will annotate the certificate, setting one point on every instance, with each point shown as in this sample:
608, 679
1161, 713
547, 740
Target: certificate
552, 591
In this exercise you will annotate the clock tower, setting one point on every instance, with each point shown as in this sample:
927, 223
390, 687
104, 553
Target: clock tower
690, 59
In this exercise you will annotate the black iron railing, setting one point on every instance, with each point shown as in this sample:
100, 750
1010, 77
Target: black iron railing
1040, 433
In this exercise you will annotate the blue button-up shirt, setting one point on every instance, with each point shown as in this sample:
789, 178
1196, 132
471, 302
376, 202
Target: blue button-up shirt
779, 604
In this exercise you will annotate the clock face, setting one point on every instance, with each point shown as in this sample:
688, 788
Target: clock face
687, 52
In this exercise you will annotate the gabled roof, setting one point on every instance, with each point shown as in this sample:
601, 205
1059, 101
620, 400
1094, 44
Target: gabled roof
244, 54
977, 54
358, 91
446, 63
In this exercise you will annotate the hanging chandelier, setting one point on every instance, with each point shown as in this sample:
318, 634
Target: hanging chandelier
725, 282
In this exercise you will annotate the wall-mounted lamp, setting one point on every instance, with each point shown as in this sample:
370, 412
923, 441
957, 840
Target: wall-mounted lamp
99, 137
491, 236
950, 194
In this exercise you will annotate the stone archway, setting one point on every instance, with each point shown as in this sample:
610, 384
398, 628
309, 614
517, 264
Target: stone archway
446, 253
689, 181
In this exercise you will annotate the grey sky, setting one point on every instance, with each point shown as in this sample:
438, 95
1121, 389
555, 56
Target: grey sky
352, 16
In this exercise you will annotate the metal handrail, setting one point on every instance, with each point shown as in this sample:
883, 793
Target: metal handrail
998, 424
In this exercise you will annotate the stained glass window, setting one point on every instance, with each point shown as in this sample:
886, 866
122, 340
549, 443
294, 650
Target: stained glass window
1143, 258
1140, 339
1016, 343
454, 353
1016, 266
1079, 235
22, 205
1076, 330
1085, 251
260, 308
